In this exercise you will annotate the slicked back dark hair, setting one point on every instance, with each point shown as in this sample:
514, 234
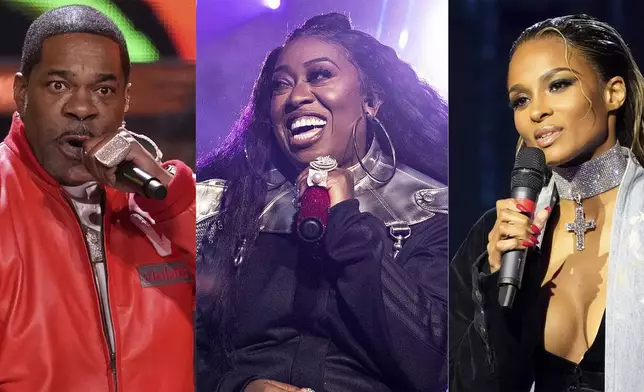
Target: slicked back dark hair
610, 56
67, 20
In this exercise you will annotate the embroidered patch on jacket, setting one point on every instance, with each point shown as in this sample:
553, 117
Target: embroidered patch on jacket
164, 273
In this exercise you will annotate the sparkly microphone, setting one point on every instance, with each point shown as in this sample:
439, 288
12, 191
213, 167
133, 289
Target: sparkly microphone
315, 201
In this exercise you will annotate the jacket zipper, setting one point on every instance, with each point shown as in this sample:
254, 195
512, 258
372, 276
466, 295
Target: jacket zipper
104, 319
107, 322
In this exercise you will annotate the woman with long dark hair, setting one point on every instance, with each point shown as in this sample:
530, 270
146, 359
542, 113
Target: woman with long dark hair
365, 307
577, 322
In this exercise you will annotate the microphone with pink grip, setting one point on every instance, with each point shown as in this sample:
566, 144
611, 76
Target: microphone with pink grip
315, 201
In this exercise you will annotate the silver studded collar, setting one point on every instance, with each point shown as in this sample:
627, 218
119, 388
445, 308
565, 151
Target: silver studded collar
409, 198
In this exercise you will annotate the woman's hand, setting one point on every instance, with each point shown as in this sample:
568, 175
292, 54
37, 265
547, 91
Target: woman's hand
513, 230
340, 185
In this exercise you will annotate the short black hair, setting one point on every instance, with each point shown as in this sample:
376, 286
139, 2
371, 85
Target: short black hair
66, 20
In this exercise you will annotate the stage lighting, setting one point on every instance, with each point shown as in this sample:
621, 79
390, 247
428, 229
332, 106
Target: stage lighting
272, 4
404, 37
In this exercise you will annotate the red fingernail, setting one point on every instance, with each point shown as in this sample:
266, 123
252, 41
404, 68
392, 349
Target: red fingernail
549, 209
535, 230
521, 208
527, 244
534, 239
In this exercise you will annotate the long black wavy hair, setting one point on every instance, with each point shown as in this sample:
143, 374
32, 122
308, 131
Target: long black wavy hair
413, 113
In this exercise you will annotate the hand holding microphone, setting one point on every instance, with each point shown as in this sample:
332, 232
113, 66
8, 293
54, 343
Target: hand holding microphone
514, 232
120, 161
321, 186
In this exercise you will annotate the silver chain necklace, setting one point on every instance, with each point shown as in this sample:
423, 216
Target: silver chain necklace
589, 179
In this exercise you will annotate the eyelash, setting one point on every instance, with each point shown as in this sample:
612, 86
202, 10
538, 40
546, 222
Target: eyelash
279, 83
514, 104
311, 77
563, 83
111, 90
53, 82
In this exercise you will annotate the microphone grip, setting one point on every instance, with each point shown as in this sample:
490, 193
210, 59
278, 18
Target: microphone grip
510, 276
313, 214
513, 261
149, 186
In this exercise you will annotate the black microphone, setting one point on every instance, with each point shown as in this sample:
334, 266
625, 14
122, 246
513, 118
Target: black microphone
528, 178
149, 186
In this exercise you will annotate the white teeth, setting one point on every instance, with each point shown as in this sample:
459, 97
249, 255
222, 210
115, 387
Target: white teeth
308, 121
306, 135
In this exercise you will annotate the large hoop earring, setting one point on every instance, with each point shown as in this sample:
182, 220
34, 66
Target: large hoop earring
250, 164
375, 120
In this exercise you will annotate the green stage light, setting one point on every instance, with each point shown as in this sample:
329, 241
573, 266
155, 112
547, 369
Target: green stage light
139, 46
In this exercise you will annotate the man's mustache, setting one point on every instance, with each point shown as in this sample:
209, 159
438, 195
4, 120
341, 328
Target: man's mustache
79, 130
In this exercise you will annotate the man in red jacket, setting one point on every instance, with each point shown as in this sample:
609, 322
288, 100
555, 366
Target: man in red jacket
96, 279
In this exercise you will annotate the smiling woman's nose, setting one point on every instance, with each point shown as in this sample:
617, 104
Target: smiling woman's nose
300, 94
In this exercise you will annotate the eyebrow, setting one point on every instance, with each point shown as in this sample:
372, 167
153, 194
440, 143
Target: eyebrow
547, 75
106, 77
67, 74
60, 72
321, 60
308, 63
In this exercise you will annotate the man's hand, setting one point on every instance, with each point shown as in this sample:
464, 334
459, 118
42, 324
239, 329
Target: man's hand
102, 155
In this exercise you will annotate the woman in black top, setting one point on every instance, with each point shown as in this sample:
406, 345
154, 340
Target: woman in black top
576, 94
353, 312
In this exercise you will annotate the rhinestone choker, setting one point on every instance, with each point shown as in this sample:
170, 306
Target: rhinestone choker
592, 177
589, 179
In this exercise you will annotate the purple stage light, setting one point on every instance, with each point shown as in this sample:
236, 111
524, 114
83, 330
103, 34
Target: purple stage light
272, 4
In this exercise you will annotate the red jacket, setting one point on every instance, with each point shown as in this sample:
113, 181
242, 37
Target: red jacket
51, 332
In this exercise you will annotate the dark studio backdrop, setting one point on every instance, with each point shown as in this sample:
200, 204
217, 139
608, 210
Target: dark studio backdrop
161, 40
482, 133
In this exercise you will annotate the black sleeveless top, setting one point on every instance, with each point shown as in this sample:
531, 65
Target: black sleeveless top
556, 374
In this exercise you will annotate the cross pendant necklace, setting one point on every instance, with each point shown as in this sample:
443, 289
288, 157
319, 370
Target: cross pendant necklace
580, 225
